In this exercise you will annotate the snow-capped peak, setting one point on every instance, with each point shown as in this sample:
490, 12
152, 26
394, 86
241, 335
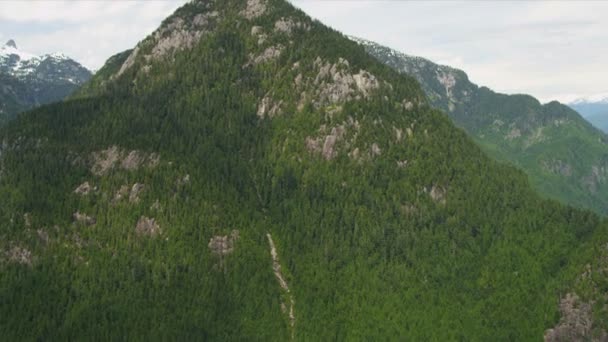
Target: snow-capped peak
597, 98
10, 49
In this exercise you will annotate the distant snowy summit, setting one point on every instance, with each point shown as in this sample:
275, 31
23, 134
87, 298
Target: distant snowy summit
594, 109
598, 98
54, 66
28, 80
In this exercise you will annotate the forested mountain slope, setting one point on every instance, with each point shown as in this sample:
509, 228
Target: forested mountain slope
246, 173
565, 157
28, 81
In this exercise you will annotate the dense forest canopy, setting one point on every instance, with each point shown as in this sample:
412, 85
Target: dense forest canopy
246, 173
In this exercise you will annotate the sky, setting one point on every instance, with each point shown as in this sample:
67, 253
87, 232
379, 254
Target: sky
554, 50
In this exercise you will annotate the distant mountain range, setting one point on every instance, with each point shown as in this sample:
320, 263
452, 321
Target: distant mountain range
28, 81
565, 157
594, 109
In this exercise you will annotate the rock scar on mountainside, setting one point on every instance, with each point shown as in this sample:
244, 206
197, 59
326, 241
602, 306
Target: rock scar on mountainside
276, 266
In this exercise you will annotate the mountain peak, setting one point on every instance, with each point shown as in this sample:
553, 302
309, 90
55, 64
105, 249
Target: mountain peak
11, 43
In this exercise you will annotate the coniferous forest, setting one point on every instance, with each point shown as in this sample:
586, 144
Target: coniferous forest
147, 206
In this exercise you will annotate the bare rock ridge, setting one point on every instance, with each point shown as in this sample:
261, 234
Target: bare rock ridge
276, 267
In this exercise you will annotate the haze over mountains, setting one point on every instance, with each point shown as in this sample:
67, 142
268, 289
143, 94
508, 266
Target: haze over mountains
247, 173
28, 81
594, 109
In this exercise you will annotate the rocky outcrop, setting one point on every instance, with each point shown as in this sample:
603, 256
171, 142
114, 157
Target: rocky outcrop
147, 227
288, 25
254, 9
106, 160
268, 107
557, 167
83, 219
19, 255
222, 245
83, 189
597, 176
437, 193
136, 190
576, 322
269, 54
344, 134
334, 83
178, 34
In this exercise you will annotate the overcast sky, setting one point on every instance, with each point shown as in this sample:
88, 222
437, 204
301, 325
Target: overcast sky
552, 50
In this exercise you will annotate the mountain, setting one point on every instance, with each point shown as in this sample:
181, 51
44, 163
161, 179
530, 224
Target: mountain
594, 109
28, 81
247, 173
564, 156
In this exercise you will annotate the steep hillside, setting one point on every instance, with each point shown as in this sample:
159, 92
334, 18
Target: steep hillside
564, 156
28, 81
246, 173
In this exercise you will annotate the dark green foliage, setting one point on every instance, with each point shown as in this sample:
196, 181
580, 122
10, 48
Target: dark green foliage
367, 253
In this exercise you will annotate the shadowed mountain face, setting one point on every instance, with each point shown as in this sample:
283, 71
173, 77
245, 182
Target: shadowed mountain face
246, 173
563, 155
28, 81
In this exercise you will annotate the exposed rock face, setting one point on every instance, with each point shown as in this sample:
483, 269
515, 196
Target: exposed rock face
177, 35
147, 226
335, 84
375, 149
177, 40
121, 193
437, 193
19, 255
513, 134
42, 235
222, 245
597, 176
83, 189
288, 25
129, 61
132, 161
106, 160
258, 32
183, 181
407, 105
84, 219
135, 192
558, 167
448, 80
271, 53
269, 108
254, 9
576, 323
327, 143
